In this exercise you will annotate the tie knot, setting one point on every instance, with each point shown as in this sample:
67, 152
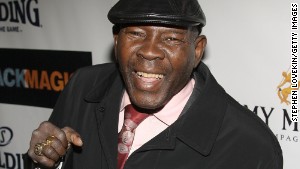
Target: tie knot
133, 118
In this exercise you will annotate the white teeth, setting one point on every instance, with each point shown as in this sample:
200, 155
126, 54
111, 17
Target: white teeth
149, 75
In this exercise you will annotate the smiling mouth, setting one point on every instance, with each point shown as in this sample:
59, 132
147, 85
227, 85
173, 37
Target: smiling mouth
149, 75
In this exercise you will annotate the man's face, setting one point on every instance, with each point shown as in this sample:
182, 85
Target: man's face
156, 62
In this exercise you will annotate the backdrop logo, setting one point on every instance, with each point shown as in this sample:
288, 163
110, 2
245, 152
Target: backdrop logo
33, 79
36, 77
6, 135
287, 130
19, 11
285, 88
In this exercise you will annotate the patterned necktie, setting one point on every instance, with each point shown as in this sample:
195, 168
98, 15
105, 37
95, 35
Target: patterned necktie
132, 119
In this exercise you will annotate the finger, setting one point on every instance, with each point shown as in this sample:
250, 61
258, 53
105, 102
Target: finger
72, 136
56, 145
50, 153
61, 139
41, 160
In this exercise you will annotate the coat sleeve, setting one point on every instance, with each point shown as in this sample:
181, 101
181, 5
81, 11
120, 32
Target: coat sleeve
55, 118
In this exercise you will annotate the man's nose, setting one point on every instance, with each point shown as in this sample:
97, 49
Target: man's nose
151, 50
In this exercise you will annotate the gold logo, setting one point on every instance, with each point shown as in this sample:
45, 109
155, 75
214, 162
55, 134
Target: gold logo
284, 88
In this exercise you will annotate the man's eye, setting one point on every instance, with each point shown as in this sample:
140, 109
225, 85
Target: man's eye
136, 34
173, 41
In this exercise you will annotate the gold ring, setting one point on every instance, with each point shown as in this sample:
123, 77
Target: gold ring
38, 148
49, 140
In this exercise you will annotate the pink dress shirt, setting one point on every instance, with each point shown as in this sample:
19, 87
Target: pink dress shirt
158, 122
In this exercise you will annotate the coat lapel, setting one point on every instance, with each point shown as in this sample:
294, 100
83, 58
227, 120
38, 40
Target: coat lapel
199, 127
108, 94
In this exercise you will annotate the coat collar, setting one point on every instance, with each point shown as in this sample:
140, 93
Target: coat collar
104, 84
107, 94
203, 114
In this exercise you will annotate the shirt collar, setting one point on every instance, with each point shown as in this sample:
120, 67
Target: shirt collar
174, 103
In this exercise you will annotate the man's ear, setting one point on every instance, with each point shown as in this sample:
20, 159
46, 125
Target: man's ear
115, 46
200, 44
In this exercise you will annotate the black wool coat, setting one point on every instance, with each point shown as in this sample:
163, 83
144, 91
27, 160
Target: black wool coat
213, 132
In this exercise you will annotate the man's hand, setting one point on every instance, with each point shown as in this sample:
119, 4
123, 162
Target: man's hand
48, 143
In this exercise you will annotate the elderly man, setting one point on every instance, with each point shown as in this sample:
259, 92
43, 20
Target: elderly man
158, 107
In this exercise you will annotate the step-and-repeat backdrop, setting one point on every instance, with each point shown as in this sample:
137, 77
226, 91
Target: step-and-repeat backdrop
252, 50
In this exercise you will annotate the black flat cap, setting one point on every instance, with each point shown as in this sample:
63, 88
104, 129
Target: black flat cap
170, 12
